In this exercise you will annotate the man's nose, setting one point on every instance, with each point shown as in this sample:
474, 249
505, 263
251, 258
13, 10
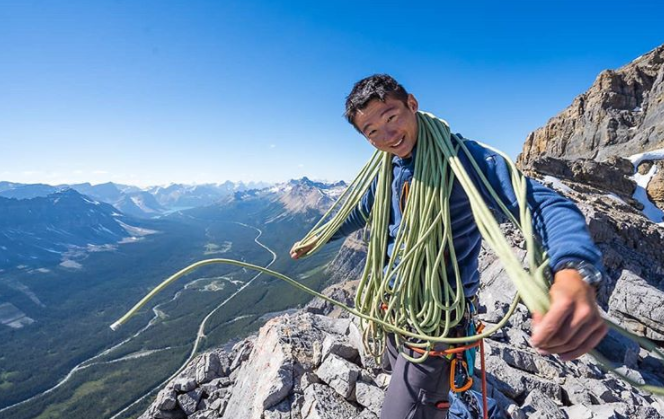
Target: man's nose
390, 135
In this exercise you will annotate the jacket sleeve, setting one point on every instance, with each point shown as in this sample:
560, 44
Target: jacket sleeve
360, 214
559, 224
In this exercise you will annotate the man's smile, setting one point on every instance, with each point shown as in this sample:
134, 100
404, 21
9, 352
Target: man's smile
398, 143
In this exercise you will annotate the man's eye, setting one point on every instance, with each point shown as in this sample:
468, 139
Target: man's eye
371, 133
390, 118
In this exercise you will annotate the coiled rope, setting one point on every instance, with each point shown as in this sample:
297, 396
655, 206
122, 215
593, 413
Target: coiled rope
413, 297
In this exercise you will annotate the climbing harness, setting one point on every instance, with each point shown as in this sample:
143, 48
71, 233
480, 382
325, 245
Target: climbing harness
411, 295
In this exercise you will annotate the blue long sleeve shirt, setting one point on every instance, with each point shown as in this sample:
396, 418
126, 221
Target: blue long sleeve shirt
558, 222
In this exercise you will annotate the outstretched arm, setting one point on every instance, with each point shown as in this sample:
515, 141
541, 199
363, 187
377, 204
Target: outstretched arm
573, 325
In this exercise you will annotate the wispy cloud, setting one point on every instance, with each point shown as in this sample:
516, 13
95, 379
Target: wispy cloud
273, 146
99, 172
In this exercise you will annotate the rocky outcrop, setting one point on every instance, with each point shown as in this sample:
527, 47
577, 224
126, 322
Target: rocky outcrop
655, 187
611, 176
639, 306
620, 115
289, 374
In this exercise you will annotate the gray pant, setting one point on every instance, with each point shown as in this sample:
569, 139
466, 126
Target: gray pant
415, 389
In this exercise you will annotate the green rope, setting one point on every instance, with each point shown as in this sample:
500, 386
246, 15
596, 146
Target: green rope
422, 304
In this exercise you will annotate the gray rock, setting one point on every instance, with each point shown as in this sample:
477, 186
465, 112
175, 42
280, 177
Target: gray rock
321, 402
578, 412
332, 326
367, 414
576, 393
184, 384
382, 380
338, 346
189, 401
514, 412
339, 374
639, 306
283, 410
539, 405
633, 375
369, 396
242, 351
208, 368
308, 379
213, 389
504, 378
166, 399
602, 391
204, 414
168, 414
266, 377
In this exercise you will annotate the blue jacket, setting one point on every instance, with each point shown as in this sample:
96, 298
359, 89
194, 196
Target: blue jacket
558, 222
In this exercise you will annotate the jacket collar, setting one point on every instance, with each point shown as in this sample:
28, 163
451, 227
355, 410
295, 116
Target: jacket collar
398, 161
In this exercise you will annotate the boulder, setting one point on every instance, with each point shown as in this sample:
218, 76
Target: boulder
638, 305
189, 401
321, 402
339, 374
208, 368
538, 405
369, 396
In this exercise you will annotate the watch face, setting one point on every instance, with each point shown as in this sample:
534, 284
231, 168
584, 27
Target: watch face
591, 275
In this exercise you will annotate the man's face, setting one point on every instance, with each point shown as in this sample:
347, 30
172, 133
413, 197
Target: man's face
390, 126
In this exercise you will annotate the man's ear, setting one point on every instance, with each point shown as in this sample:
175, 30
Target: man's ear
412, 103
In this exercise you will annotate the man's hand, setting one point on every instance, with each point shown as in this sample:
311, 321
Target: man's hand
300, 248
573, 325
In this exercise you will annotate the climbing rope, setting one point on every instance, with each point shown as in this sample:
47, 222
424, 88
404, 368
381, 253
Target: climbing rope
411, 295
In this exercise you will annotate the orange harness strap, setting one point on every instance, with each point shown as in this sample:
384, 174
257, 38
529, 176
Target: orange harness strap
457, 351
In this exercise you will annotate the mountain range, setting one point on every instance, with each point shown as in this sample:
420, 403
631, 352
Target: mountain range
42, 225
132, 200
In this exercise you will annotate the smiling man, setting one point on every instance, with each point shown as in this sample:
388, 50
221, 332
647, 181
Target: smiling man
386, 115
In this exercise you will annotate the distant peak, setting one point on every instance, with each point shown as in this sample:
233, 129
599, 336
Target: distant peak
305, 181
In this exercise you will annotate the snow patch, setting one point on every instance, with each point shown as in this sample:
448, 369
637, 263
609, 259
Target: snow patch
70, 264
650, 210
557, 184
636, 159
136, 231
89, 201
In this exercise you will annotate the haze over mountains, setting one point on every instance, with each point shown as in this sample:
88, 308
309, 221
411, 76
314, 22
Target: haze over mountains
135, 201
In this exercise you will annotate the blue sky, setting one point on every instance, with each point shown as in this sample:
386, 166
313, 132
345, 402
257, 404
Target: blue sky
153, 92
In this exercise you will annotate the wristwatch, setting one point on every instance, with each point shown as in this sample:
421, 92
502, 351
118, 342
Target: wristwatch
589, 273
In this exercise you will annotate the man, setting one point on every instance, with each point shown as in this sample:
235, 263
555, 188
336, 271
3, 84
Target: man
386, 115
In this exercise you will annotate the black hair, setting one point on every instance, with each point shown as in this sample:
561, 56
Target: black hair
378, 86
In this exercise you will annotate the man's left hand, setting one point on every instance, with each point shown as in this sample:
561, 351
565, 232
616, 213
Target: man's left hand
573, 324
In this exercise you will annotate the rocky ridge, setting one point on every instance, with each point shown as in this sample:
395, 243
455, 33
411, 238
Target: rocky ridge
622, 114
